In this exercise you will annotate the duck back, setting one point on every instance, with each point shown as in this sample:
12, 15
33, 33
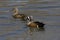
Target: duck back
19, 16
40, 24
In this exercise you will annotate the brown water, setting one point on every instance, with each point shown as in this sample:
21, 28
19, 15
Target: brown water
12, 29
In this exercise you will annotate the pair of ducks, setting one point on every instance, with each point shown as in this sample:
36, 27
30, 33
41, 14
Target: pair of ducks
29, 19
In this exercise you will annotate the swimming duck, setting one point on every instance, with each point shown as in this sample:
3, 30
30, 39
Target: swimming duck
34, 24
16, 14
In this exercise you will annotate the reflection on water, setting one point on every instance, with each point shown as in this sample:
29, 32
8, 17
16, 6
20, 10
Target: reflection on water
15, 29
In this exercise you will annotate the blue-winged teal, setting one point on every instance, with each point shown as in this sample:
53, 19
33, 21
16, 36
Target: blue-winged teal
34, 24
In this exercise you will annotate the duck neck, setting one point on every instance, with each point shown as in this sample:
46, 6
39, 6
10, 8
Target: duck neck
28, 21
16, 11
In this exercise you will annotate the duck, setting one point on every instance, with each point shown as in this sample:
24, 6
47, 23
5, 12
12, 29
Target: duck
34, 24
17, 15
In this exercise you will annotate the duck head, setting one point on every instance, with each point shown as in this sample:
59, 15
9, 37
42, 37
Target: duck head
29, 18
15, 10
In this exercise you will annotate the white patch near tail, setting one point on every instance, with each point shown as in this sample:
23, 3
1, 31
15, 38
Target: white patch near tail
37, 26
